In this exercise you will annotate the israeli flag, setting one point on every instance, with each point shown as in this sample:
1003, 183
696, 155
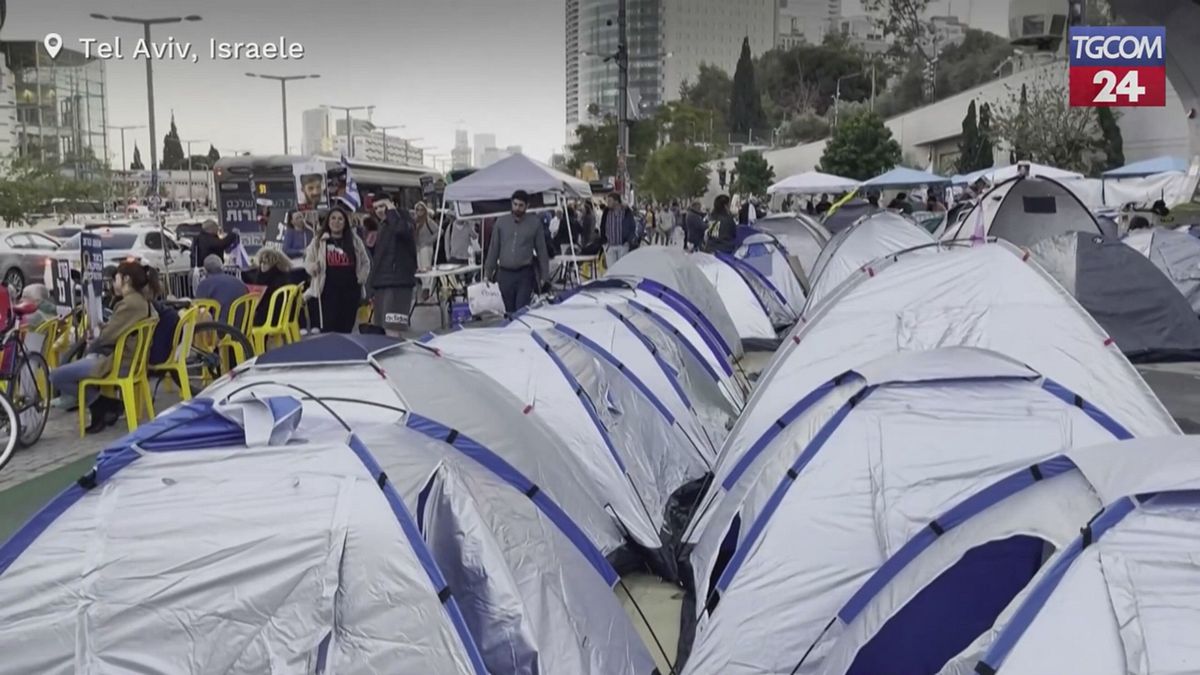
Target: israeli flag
351, 198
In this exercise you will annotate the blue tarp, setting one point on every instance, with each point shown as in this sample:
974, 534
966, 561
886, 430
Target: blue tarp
904, 177
331, 348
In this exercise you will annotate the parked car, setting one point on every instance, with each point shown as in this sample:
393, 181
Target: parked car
23, 256
152, 245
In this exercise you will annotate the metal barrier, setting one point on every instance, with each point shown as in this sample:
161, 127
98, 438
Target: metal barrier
183, 284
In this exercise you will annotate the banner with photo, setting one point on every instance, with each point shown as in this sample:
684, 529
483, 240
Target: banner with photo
310, 185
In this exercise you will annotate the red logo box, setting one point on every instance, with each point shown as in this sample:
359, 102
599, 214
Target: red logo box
1112, 86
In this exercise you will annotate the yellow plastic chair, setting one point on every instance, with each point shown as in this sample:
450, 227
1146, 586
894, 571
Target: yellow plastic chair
299, 304
176, 365
279, 318
210, 310
135, 382
50, 331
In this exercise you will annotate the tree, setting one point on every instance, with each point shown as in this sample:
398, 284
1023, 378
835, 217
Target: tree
675, 171
968, 143
173, 158
804, 128
745, 105
711, 93
597, 143
1111, 145
906, 21
754, 174
805, 77
861, 147
987, 150
681, 122
136, 164
1040, 126
213, 155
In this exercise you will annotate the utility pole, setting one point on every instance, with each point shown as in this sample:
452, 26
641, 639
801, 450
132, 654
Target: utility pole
622, 99
124, 166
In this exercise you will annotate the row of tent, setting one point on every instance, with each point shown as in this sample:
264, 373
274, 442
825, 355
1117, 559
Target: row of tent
464, 503
948, 467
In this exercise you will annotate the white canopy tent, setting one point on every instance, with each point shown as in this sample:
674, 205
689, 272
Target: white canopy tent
812, 182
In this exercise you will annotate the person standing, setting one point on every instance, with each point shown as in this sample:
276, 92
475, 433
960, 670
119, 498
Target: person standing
824, 205
619, 229
722, 228
211, 242
694, 227
393, 269
427, 234
516, 238
338, 264
460, 240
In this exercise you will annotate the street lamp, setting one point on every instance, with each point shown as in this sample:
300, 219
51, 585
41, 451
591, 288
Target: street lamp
283, 80
146, 24
837, 94
350, 124
188, 142
124, 166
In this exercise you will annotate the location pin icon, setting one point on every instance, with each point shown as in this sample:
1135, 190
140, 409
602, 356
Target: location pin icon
53, 43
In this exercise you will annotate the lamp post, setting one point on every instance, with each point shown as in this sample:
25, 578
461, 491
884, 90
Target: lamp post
283, 80
124, 165
350, 124
146, 24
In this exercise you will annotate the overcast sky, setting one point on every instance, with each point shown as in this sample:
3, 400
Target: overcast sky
433, 65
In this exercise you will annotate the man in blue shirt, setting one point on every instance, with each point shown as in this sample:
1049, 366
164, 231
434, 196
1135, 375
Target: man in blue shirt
216, 285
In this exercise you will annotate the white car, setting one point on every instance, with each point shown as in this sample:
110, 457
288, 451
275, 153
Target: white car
152, 245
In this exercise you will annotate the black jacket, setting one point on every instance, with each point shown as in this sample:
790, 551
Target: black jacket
394, 263
207, 243
693, 229
722, 235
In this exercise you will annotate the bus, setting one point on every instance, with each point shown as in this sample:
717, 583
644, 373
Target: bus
245, 184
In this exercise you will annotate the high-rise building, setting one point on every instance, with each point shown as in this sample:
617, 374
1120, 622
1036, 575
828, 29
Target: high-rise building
861, 31
315, 138
668, 40
807, 21
572, 33
460, 155
483, 142
8, 111
61, 106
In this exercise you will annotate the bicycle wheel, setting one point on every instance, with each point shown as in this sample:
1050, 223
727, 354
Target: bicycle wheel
217, 348
30, 397
9, 430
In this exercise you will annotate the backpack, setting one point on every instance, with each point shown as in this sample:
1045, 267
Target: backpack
163, 340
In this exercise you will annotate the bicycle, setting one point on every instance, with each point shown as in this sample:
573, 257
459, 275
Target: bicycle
24, 387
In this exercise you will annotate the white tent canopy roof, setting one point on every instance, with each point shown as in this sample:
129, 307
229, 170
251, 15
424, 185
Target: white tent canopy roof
812, 182
1000, 174
518, 172
872, 237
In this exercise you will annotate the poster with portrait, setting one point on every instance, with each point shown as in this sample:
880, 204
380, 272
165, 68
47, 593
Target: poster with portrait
92, 249
310, 185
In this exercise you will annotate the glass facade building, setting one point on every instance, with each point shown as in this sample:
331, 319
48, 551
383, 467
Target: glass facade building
61, 106
597, 40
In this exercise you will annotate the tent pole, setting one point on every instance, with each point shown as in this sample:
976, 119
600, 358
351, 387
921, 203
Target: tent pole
571, 239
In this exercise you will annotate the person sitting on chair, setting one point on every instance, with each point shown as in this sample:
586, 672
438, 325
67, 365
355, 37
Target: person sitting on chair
131, 284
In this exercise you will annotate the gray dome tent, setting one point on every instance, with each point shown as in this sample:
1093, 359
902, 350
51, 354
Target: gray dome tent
1024, 211
1135, 303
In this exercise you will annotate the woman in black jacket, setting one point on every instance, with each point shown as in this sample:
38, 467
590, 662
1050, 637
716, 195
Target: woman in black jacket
274, 271
722, 229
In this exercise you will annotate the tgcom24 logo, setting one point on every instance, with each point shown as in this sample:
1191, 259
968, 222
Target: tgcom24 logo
1118, 66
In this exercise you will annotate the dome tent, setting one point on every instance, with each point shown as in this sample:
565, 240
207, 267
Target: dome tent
1127, 295
1176, 254
873, 237
768, 257
674, 269
1124, 587
947, 585
770, 298
801, 235
1024, 211
664, 307
985, 296
861, 473
413, 384
148, 563
750, 316
595, 409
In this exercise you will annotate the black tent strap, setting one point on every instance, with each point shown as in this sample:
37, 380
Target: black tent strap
1036, 471
382, 479
532, 491
452, 436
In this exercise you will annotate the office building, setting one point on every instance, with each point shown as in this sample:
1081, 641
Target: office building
8, 111
807, 21
60, 105
483, 142
861, 31
668, 40
325, 134
315, 138
945, 31
460, 154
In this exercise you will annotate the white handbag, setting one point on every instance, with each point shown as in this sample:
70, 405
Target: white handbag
485, 298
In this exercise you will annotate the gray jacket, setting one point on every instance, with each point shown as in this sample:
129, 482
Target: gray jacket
513, 246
